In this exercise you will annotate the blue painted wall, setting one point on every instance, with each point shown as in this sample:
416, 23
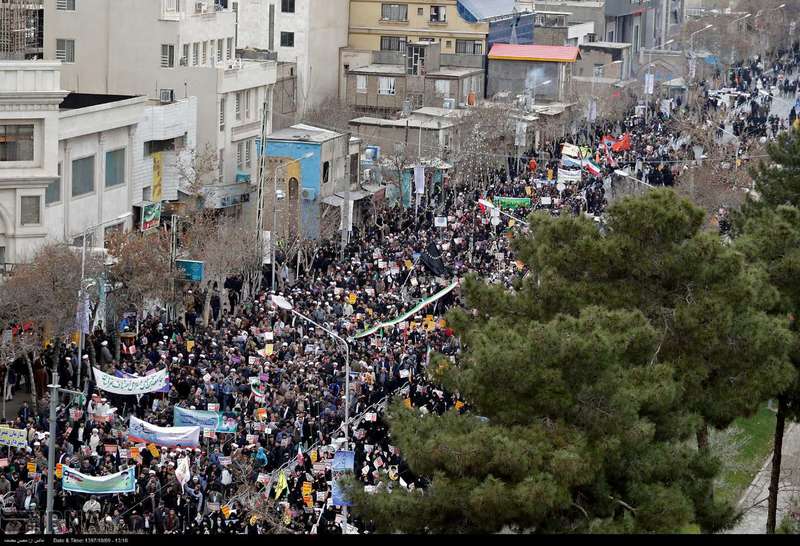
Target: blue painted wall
310, 177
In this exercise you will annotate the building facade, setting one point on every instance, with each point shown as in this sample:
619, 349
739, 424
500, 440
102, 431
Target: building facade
167, 49
308, 33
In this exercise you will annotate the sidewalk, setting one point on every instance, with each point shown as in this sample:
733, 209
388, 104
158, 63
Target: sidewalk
754, 501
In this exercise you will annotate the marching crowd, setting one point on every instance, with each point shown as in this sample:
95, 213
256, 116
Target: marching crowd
281, 377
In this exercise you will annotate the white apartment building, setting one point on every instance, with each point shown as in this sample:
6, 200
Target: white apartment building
72, 162
164, 49
306, 32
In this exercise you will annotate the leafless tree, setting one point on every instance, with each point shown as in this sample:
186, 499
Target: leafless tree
196, 169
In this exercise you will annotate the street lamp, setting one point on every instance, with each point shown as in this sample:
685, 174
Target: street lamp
80, 291
649, 67
259, 215
283, 303
691, 36
595, 71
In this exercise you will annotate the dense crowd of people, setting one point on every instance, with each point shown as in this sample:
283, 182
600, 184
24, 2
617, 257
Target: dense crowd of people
281, 377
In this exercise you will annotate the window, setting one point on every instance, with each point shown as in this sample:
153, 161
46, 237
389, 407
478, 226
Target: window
185, 58
195, 53
287, 6
448, 44
16, 142
221, 114
154, 146
205, 52
83, 176
220, 50
386, 86
393, 43
65, 5
287, 39
229, 55
30, 210
239, 155
442, 88
469, 47
420, 11
238, 106
53, 192
247, 97
247, 146
326, 172
167, 56
636, 38
65, 50
361, 84
115, 168
415, 61
394, 12
438, 14
221, 165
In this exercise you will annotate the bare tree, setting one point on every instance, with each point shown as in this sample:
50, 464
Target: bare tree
197, 169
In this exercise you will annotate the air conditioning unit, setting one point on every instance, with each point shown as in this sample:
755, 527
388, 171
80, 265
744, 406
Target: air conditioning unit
449, 104
308, 194
167, 96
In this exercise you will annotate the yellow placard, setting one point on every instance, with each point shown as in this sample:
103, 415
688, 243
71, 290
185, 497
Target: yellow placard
412, 325
314, 456
226, 511
308, 500
442, 324
189, 345
407, 403
59, 470
408, 264
261, 413
153, 450
352, 298
528, 190
157, 188
31, 467
429, 325
307, 488
429, 318
134, 453
269, 349
459, 404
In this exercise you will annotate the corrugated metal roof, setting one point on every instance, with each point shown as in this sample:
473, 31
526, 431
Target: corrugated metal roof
554, 54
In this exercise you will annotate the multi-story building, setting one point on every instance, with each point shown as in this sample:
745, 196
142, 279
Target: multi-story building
72, 163
22, 28
308, 33
377, 25
165, 49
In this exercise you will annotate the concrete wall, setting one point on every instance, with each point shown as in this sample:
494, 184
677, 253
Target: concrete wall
371, 99
550, 36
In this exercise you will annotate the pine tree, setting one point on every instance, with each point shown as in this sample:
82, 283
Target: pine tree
615, 352
769, 233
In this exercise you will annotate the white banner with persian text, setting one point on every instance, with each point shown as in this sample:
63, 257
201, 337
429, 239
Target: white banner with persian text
131, 385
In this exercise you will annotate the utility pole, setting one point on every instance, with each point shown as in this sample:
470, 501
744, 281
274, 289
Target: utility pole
51, 451
346, 210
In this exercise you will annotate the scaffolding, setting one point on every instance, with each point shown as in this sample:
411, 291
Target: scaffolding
21, 29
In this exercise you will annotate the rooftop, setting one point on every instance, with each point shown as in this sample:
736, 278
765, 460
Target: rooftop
607, 45
397, 69
413, 122
304, 133
544, 53
73, 101
454, 72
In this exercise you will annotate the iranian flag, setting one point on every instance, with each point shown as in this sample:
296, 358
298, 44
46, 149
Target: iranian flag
592, 167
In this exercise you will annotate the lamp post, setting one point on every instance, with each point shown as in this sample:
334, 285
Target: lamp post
691, 36
81, 299
649, 68
260, 212
593, 108
733, 47
283, 303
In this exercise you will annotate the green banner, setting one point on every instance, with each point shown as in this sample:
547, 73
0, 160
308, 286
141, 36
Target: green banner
121, 482
511, 202
409, 313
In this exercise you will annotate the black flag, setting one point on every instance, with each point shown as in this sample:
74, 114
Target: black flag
431, 258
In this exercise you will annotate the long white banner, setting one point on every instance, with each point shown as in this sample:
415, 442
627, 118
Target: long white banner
142, 431
131, 385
